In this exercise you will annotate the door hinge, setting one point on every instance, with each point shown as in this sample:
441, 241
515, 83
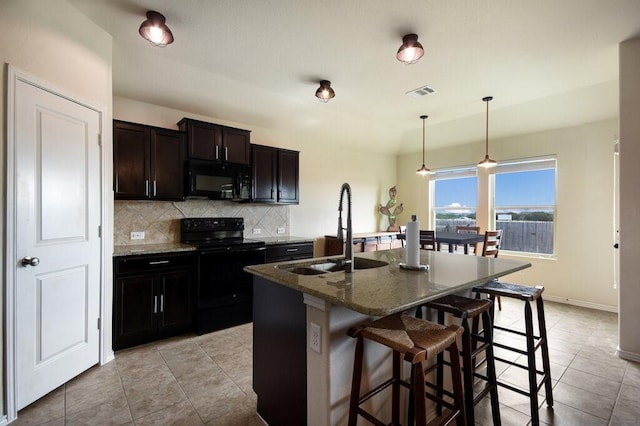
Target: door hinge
99, 140
98, 323
99, 231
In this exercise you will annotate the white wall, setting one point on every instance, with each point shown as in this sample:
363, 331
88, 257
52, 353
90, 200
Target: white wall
323, 169
582, 272
52, 41
629, 321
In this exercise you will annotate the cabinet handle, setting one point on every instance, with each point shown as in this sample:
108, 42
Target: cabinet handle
155, 304
291, 250
146, 187
279, 194
162, 303
154, 188
217, 152
226, 154
272, 193
158, 262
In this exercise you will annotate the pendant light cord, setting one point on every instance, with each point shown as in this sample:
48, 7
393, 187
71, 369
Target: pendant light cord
423, 140
486, 135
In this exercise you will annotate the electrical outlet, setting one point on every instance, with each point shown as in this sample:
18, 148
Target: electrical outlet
139, 235
257, 231
281, 230
315, 337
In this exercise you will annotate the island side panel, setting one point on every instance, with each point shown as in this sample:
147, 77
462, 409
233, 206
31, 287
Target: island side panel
279, 356
330, 372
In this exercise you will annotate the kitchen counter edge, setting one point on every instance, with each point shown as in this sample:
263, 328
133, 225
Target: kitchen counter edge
144, 249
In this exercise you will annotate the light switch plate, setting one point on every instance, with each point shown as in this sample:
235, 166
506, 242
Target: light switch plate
281, 230
257, 231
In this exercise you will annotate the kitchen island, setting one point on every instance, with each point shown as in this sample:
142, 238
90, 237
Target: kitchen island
303, 359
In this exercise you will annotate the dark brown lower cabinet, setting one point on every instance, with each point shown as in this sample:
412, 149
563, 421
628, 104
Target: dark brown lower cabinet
289, 251
153, 298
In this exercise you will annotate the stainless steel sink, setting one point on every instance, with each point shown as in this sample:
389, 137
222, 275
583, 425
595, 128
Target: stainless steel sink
336, 265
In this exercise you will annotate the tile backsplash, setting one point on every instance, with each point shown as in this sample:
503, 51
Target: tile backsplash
160, 220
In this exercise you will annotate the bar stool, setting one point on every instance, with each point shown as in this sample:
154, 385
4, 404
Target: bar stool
470, 309
416, 340
527, 294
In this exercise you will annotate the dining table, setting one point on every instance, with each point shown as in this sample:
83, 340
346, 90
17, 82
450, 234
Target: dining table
452, 239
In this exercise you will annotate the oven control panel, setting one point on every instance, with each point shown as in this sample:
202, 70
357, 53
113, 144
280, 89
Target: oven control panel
212, 224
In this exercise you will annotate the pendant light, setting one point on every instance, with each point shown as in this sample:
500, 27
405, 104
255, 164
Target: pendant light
411, 50
325, 92
487, 163
423, 171
155, 31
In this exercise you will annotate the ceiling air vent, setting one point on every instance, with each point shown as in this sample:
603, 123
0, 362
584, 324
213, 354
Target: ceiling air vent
421, 91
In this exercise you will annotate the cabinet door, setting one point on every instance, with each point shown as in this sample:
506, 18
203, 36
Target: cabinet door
130, 160
204, 140
175, 312
288, 176
134, 317
264, 159
167, 161
236, 146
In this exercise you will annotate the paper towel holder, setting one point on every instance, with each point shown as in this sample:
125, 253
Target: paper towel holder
417, 267
414, 268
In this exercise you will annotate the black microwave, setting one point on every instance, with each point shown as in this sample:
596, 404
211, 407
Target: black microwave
216, 181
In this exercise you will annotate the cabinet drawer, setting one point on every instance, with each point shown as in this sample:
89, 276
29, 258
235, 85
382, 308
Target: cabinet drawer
281, 252
140, 263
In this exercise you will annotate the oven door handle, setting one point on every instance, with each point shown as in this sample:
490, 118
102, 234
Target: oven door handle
250, 249
233, 250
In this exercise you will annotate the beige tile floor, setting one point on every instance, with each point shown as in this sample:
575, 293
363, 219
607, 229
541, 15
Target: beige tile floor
194, 380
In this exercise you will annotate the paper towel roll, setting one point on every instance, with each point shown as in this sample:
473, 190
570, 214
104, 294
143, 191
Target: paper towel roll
412, 247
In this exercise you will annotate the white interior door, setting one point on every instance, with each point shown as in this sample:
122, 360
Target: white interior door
57, 242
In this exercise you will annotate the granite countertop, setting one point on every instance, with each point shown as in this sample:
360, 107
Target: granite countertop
369, 234
283, 240
140, 249
389, 289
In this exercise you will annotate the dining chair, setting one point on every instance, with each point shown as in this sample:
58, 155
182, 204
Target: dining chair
428, 240
460, 229
403, 230
490, 248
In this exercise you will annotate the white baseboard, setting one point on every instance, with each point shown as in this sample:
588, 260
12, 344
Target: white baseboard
581, 303
629, 356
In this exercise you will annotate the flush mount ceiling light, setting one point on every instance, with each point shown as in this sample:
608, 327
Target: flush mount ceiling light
411, 50
423, 171
155, 31
487, 163
325, 92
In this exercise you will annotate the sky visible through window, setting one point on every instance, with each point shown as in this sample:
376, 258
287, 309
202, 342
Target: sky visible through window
461, 192
530, 188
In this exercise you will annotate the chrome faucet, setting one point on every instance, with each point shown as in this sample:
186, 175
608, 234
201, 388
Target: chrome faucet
348, 245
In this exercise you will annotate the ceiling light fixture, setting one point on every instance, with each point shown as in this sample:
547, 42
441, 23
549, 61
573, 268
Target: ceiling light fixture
325, 92
423, 171
487, 163
411, 50
155, 31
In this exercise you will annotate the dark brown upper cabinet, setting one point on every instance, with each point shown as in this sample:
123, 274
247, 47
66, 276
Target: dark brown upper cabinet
147, 162
209, 141
275, 175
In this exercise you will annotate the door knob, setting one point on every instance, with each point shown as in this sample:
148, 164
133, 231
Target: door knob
30, 261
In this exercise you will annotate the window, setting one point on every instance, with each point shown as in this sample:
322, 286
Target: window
455, 198
525, 205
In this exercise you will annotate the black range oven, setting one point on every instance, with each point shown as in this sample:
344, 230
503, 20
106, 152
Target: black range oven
225, 290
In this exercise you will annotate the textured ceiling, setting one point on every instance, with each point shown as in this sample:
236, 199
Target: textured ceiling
547, 64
